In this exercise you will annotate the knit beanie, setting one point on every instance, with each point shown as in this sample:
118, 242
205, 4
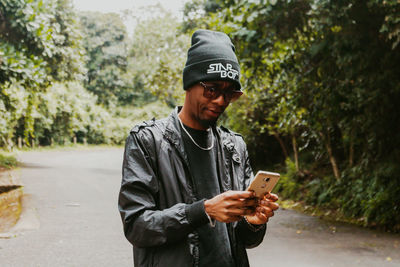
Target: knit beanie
211, 57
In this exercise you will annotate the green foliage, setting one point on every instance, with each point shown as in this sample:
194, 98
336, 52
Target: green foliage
157, 109
68, 109
44, 96
39, 42
106, 45
7, 161
369, 197
321, 78
193, 14
372, 194
39, 45
158, 57
121, 71
289, 185
17, 105
116, 128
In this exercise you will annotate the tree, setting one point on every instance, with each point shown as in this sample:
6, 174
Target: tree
39, 44
158, 56
322, 75
106, 45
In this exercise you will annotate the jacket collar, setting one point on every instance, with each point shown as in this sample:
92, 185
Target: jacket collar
173, 132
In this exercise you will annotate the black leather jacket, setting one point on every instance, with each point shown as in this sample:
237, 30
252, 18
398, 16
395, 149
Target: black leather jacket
157, 202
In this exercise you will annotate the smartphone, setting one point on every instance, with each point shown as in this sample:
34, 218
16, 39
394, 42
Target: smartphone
263, 183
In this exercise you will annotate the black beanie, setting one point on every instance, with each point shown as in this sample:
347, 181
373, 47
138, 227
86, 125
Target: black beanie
211, 57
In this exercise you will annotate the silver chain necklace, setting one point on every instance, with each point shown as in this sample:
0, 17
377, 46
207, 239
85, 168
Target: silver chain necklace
191, 138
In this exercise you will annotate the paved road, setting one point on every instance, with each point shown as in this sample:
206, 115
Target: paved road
70, 218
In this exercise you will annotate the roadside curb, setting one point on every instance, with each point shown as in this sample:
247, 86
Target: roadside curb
11, 193
28, 219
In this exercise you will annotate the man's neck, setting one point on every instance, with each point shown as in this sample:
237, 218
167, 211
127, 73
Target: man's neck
188, 121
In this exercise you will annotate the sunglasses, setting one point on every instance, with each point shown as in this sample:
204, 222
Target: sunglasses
213, 92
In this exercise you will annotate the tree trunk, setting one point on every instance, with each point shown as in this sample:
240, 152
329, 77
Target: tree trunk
351, 150
296, 155
332, 159
284, 150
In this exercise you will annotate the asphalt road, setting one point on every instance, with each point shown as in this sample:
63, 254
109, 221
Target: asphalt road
70, 218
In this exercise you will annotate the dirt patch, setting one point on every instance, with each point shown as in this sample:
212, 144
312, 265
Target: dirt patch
10, 206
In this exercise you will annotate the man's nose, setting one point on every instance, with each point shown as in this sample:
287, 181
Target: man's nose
220, 100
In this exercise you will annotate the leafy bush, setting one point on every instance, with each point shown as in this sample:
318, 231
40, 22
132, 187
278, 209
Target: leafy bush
66, 110
7, 161
363, 195
39, 44
373, 195
288, 185
330, 101
42, 73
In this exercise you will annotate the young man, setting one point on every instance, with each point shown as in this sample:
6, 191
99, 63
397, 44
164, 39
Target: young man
183, 200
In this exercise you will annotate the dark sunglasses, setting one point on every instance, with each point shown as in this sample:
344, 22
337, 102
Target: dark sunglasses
213, 92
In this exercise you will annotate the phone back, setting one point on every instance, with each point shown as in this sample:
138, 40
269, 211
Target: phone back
263, 182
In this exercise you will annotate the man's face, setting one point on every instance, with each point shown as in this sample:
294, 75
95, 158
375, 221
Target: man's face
203, 108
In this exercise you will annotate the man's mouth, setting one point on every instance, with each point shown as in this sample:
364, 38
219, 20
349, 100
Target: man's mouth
216, 112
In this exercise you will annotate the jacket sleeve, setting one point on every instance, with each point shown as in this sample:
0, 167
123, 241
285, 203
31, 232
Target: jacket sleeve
250, 235
145, 225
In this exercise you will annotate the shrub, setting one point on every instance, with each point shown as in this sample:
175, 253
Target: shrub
7, 161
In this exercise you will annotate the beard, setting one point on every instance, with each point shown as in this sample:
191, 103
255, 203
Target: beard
207, 120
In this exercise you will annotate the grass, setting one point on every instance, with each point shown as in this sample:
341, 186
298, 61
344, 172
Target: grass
7, 161
326, 214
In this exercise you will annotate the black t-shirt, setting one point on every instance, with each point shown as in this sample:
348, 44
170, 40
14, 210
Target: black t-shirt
214, 246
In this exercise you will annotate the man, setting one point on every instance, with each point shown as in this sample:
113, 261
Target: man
183, 200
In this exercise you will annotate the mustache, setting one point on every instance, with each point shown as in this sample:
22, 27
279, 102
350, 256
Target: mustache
216, 109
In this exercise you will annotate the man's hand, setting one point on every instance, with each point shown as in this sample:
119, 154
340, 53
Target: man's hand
264, 210
231, 206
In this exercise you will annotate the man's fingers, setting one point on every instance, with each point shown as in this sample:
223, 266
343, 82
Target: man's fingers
266, 211
239, 194
272, 197
250, 202
262, 217
240, 211
231, 205
269, 204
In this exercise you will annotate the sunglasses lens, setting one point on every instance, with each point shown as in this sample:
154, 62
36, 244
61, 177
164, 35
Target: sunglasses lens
212, 93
